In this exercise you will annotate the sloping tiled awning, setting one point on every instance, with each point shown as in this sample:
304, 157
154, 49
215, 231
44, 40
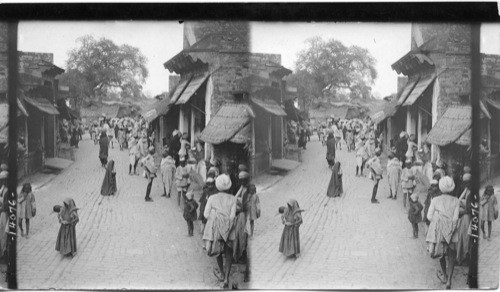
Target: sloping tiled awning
42, 105
269, 106
266, 98
465, 139
179, 89
193, 86
423, 83
451, 126
408, 88
228, 123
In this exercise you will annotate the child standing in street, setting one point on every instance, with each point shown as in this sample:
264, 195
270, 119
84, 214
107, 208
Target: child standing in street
190, 208
181, 179
407, 181
27, 208
415, 213
488, 210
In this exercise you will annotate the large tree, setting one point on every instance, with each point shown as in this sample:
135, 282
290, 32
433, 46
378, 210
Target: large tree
105, 67
337, 67
307, 87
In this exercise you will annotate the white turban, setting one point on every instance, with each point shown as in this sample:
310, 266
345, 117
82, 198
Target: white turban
4, 174
446, 185
467, 177
223, 182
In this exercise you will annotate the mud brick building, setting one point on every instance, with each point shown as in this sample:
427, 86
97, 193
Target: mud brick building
37, 96
436, 99
227, 96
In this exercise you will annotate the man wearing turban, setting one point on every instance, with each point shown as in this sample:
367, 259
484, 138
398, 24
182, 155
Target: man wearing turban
219, 232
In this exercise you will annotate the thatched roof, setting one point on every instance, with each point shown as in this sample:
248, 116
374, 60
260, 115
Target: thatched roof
227, 124
451, 126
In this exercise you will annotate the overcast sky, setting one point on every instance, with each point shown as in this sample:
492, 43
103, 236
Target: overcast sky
159, 41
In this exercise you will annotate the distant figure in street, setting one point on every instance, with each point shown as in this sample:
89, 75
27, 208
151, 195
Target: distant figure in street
103, 149
330, 150
190, 215
219, 233
74, 136
361, 156
174, 145
402, 147
167, 169
407, 182
108, 187
290, 239
133, 156
185, 146
26, 208
335, 188
349, 140
442, 236
148, 163
66, 238
338, 136
488, 210
116, 129
410, 152
376, 173
181, 180
109, 132
393, 175
121, 138
302, 138
415, 213
199, 154
80, 132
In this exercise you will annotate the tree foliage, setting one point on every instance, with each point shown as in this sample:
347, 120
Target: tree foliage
307, 87
335, 66
104, 67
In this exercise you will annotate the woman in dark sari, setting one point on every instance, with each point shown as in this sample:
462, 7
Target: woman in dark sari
103, 149
292, 219
335, 188
68, 217
109, 183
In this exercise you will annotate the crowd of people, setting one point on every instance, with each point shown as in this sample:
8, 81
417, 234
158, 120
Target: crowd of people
228, 203
446, 211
